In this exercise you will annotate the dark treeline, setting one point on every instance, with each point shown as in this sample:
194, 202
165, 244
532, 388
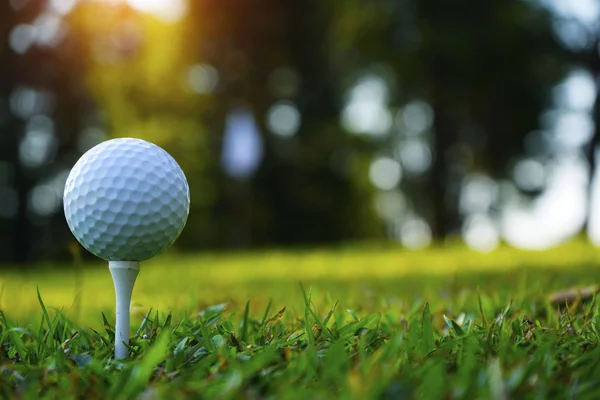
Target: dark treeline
277, 110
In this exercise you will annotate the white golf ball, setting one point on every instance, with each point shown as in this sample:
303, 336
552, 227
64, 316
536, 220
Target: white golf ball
126, 200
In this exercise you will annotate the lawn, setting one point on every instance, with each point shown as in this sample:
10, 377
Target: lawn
369, 322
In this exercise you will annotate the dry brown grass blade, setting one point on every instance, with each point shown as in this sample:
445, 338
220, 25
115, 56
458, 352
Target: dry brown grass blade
572, 295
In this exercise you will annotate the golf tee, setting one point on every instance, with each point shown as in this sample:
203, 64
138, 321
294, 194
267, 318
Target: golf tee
124, 274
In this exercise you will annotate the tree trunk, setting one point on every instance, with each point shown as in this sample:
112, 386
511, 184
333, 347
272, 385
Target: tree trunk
594, 67
444, 198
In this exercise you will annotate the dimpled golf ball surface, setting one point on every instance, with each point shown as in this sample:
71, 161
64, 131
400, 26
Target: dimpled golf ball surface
126, 200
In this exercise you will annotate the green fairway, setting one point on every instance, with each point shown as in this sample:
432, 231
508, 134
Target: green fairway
185, 284
370, 323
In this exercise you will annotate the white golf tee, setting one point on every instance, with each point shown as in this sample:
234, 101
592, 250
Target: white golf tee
123, 274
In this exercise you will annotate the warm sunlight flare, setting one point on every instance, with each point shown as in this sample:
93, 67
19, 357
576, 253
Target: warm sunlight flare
172, 10
167, 11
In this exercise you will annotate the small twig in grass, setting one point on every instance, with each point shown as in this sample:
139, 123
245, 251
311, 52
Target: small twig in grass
573, 294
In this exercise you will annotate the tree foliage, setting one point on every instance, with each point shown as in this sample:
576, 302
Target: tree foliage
484, 70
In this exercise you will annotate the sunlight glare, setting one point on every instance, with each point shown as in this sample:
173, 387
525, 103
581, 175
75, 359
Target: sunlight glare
169, 11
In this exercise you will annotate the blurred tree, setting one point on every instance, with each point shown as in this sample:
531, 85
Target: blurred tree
484, 68
583, 46
492, 75
42, 104
288, 119
592, 62
272, 62
139, 70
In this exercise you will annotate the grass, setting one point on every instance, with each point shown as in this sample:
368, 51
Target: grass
348, 324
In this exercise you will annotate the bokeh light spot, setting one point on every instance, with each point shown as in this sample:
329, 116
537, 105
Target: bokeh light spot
21, 37
577, 92
366, 110
529, 174
283, 119
571, 33
555, 215
62, 7
49, 30
573, 129
44, 200
415, 156
390, 205
26, 102
203, 78
242, 145
38, 143
168, 11
415, 234
416, 117
385, 173
480, 233
478, 193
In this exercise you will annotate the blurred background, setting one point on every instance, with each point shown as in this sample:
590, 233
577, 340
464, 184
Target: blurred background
311, 122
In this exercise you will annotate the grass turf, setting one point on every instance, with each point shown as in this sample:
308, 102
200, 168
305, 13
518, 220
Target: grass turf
368, 323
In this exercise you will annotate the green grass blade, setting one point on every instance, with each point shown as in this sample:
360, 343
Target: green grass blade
482, 313
144, 323
307, 306
142, 372
205, 336
44, 310
427, 336
266, 314
245, 323
15, 338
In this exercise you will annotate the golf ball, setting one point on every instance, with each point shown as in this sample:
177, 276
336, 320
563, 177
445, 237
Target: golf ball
126, 200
